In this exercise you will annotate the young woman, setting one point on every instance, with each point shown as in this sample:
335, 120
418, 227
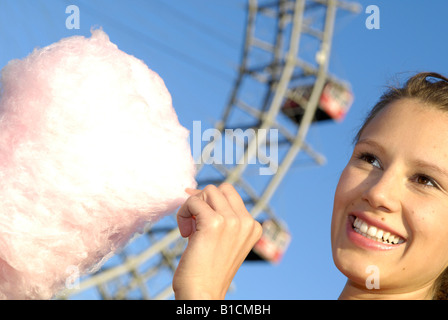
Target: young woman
390, 208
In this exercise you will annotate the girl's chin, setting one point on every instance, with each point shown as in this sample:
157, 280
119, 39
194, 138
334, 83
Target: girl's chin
355, 269
362, 266
371, 272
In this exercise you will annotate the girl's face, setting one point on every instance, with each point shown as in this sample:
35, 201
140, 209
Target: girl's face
390, 216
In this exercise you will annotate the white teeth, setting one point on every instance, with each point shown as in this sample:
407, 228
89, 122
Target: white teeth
372, 231
364, 227
391, 238
375, 233
379, 234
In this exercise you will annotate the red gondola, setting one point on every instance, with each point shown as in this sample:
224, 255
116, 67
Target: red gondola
334, 103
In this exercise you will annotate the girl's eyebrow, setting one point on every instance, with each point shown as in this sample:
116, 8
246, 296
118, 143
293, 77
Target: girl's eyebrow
432, 167
372, 143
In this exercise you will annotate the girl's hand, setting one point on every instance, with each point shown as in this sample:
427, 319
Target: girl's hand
221, 233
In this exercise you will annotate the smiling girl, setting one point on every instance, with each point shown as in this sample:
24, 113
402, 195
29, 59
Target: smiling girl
390, 208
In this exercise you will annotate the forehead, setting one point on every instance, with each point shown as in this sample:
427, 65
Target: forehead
411, 124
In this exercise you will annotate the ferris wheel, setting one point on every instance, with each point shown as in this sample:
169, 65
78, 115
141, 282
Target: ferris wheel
282, 88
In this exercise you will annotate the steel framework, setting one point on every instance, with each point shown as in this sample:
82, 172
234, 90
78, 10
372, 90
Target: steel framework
287, 45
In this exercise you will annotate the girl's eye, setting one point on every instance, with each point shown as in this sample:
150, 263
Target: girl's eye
426, 181
371, 159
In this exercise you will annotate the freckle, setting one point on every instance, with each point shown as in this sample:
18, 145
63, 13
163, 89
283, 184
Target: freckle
382, 219
404, 269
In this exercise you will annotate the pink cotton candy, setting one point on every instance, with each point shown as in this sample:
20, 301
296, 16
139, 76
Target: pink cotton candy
91, 150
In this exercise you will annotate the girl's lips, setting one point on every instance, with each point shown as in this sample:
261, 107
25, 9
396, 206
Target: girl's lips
364, 242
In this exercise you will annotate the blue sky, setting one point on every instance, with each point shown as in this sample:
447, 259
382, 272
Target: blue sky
195, 46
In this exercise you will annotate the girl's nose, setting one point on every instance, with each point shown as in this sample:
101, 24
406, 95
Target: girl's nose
382, 192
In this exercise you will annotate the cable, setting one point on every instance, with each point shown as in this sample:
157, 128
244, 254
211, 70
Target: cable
183, 33
205, 29
175, 53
